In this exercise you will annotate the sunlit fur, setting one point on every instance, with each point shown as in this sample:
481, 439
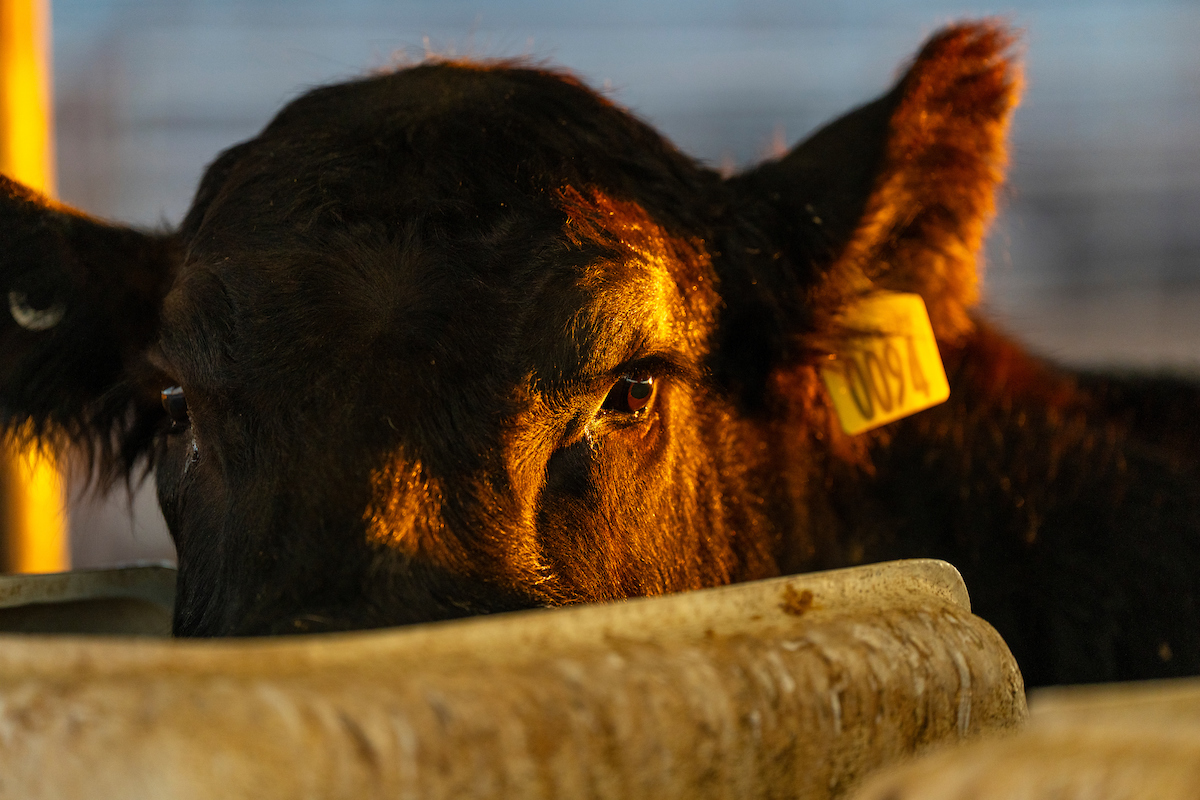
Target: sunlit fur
396, 315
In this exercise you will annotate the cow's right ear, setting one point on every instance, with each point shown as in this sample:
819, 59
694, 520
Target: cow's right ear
83, 307
894, 196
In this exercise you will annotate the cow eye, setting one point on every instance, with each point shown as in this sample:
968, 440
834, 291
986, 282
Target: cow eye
630, 394
175, 404
35, 313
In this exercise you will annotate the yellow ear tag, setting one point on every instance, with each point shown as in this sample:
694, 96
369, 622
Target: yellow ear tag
892, 370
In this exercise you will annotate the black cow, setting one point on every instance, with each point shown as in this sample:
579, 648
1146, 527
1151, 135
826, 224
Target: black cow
467, 338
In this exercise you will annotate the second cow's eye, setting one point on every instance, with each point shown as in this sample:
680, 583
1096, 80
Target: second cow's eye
175, 404
630, 394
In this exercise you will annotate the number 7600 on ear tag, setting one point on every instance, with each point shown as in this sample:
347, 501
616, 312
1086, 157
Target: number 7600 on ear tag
890, 371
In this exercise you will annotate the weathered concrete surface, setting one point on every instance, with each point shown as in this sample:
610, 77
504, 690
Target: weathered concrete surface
793, 687
1137, 740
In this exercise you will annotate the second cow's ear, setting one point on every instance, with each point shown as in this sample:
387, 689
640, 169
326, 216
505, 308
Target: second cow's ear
896, 195
83, 300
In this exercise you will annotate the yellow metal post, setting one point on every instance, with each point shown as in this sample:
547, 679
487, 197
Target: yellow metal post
35, 516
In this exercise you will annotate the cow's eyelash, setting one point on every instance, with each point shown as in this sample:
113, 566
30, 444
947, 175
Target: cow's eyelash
661, 365
164, 373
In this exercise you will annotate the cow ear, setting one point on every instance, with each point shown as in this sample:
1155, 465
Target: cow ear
897, 194
83, 305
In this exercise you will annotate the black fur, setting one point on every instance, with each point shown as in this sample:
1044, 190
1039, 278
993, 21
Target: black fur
406, 316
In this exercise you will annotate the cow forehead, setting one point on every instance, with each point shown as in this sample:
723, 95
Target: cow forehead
454, 230
562, 306
652, 292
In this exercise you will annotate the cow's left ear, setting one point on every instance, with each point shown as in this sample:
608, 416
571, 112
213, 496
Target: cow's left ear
83, 306
896, 195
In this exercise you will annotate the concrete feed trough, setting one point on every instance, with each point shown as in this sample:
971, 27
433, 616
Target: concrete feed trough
793, 687
1136, 740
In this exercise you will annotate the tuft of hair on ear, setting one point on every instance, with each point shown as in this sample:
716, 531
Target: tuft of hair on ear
106, 438
923, 225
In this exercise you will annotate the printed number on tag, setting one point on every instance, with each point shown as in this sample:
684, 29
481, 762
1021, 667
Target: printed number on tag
890, 372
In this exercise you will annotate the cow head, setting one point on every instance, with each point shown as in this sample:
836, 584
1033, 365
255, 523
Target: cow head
466, 338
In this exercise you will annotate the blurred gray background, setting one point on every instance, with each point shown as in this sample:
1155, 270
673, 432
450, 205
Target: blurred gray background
1095, 259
